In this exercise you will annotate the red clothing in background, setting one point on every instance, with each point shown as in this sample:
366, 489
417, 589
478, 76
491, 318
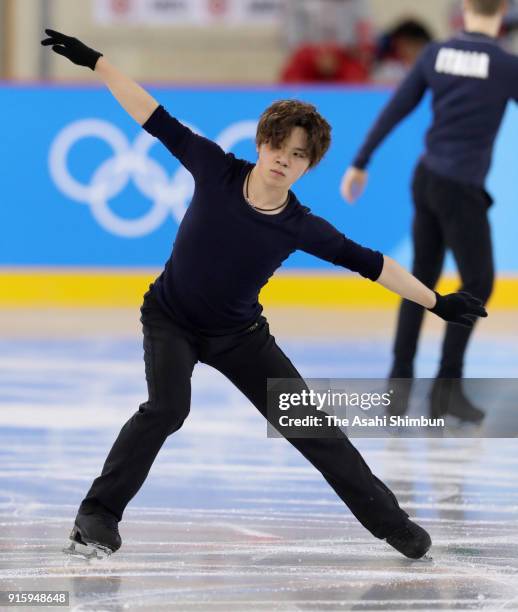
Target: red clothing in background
324, 63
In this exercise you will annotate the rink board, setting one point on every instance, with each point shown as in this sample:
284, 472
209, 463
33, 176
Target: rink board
93, 189
105, 287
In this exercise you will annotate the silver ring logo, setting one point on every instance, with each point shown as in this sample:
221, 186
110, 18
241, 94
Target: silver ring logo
168, 195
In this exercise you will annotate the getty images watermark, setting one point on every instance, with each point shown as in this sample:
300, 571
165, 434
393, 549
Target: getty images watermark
320, 401
397, 407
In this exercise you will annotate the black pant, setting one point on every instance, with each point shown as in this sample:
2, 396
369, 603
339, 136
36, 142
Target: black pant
247, 359
448, 215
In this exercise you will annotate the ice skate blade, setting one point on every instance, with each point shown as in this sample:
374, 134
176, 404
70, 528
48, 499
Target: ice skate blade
426, 558
87, 551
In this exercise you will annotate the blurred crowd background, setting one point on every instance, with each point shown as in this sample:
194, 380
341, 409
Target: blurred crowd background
239, 41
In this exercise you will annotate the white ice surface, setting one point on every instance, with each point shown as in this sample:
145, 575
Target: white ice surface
230, 520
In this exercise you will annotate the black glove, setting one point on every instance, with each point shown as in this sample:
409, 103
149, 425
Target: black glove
74, 49
461, 308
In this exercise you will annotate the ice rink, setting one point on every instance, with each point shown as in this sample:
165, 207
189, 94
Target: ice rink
228, 519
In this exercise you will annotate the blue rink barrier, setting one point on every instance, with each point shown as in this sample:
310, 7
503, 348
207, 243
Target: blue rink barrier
83, 185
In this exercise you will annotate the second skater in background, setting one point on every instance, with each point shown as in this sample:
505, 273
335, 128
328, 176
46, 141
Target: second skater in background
471, 79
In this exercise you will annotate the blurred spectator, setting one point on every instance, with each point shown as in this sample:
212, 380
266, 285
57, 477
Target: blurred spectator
399, 48
324, 63
330, 40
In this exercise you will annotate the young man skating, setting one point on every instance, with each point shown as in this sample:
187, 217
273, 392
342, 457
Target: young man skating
242, 223
471, 79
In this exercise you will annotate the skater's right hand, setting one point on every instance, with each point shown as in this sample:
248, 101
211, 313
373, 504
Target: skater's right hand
71, 48
353, 184
460, 308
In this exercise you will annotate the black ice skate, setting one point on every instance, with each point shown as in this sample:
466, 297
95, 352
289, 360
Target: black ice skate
399, 390
447, 398
94, 536
410, 540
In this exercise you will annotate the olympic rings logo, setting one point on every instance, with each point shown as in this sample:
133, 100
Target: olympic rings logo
168, 195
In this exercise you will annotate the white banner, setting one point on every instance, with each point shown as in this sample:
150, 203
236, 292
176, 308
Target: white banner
187, 12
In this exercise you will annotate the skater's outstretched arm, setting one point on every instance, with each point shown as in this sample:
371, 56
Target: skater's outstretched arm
461, 307
131, 96
405, 99
395, 278
201, 156
318, 237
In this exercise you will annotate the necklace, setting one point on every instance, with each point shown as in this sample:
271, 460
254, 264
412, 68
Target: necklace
257, 207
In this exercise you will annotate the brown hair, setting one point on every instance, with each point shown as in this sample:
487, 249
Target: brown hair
279, 119
488, 8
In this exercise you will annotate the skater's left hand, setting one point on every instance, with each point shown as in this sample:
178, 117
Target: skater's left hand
72, 48
353, 184
460, 308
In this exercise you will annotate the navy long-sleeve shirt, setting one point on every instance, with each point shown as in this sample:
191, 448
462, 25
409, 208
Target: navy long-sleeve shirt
225, 251
471, 79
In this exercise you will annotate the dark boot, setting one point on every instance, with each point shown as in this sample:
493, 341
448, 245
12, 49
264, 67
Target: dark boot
410, 540
447, 398
95, 534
